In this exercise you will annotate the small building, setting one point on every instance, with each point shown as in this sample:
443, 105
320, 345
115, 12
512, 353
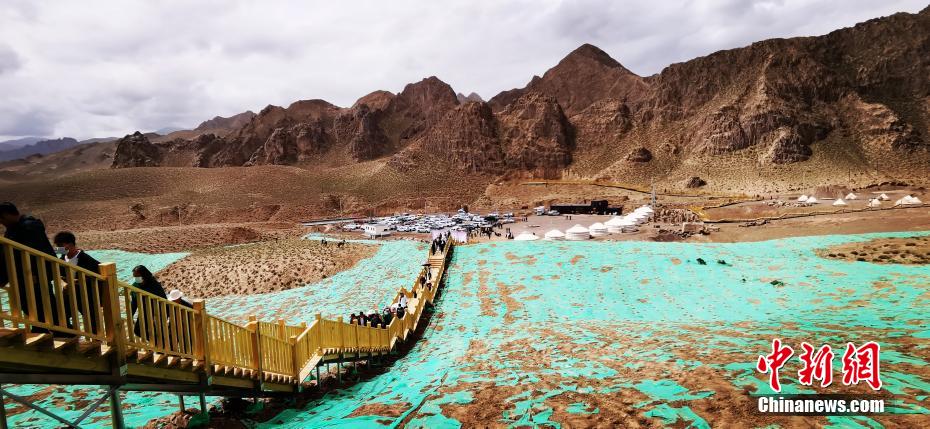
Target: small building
375, 230
601, 207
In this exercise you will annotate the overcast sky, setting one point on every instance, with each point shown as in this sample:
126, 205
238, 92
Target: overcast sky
106, 68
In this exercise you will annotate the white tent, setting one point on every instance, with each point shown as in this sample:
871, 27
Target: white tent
597, 229
555, 235
577, 232
875, 202
840, 202
802, 199
614, 221
851, 196
883, 197
526, 236
636, 218
908, 201
811, 200
616, 225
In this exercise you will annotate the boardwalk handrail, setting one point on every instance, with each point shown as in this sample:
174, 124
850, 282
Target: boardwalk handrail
154, 329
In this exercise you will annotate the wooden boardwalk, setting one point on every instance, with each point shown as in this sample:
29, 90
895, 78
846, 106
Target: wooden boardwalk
124, 338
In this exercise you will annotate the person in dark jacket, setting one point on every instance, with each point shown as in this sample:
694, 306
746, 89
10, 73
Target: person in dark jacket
146, 281
28, 231
66, 246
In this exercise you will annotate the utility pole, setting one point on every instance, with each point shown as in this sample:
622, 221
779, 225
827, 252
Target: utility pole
653, 192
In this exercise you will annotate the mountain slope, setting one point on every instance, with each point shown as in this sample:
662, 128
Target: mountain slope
38, 148
851, 106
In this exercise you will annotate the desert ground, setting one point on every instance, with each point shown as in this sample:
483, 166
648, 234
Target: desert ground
255, 268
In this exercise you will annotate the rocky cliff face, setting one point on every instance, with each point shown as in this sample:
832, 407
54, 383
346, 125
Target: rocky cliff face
857, 97
135, 150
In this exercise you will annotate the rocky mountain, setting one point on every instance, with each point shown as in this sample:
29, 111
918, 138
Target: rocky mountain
38, 148
855, 102
470, 97
18, 143
218, 126
233, 122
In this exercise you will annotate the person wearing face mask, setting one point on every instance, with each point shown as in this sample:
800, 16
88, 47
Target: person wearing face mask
28, 231
145, 280
66, 248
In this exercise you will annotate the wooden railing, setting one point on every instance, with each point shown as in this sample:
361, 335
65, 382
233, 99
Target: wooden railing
97, 307
42, 292
229, 344
160, 325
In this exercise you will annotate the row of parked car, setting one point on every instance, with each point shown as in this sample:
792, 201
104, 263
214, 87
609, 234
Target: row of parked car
424, 224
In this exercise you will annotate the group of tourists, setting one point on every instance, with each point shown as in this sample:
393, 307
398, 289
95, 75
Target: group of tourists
30, 231
438, 244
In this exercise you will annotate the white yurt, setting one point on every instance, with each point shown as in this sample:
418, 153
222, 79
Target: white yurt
577, 232
811, 200
840, 202
526, 236
614, 225
802, 199
875, 202
883, 197
851, 196
597, 229
635, 218
555, 235
908, 201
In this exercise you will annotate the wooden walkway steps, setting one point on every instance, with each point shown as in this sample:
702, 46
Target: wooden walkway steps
127, 339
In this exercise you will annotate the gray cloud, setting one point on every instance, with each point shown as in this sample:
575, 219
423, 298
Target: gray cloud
9, 60
108, 67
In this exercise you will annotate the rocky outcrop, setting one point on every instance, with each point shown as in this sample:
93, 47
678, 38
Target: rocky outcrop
722, 132
135, 150
536, 135
695, 182
639, 154
467, 137
360, 127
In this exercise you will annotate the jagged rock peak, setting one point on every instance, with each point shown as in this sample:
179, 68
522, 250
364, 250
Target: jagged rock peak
470, 97
231, 123
591, 52
429, 91
376, 100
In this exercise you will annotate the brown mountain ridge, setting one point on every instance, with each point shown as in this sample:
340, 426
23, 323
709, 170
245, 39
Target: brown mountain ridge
853, 104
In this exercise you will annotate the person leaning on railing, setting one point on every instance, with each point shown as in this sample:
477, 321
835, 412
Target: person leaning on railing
66, 246
28, 231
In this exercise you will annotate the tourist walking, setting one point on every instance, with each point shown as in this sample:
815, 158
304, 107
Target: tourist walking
66, 246
149, 314
28, 231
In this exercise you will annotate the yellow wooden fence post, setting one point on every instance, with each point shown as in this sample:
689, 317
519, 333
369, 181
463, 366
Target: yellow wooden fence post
292, 341
319, 324
201, 338
113, 323
256, 348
